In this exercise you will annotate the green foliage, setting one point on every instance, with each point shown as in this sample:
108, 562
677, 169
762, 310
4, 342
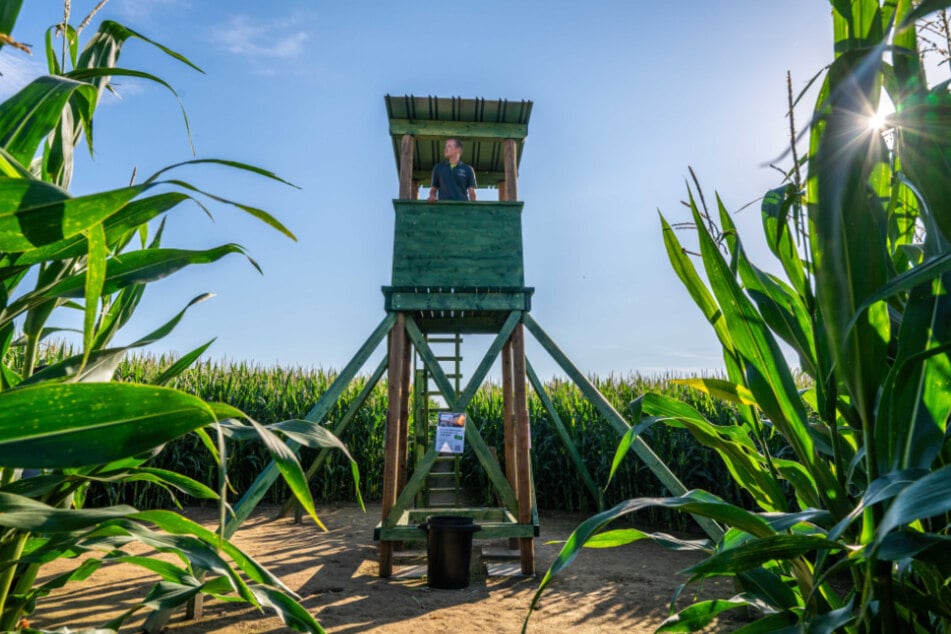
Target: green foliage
64, 423
850, 476
277, 393
558, 485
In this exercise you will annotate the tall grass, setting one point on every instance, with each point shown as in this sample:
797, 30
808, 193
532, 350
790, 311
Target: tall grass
279, 393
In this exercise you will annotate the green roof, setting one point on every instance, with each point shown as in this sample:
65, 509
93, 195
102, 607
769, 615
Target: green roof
483, 124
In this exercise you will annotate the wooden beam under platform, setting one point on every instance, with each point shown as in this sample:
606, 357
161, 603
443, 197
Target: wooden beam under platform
495, 523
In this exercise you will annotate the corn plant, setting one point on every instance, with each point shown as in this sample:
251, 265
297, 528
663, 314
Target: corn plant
66, 424
850, 474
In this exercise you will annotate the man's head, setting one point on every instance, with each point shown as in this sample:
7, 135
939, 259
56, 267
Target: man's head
453, 150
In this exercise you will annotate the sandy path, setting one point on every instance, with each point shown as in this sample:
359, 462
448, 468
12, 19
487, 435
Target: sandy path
615, 590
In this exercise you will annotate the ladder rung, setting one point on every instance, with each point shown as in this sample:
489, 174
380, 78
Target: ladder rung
448, 358
443, 339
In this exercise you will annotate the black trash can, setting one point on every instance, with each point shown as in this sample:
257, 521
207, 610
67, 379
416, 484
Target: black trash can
449, 550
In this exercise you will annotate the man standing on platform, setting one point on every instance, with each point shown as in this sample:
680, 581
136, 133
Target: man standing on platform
453, 179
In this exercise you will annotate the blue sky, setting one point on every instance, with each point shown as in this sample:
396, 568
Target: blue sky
626, 96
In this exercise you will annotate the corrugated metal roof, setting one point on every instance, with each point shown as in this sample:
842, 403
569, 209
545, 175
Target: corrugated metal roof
482, 121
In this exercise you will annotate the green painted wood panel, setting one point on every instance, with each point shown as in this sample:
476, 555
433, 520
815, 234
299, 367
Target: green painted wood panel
468, 130
458, 301
449, 244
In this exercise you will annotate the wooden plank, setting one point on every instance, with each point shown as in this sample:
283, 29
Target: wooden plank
325, 403
406, 375
420, 425
480, 513
508, 415
523, 442
406, 166
341, 426
484, 301
490, 530
511, 170
617, 422
508, 421
596, 493
453, 243
391, 456
487, 323
466, 130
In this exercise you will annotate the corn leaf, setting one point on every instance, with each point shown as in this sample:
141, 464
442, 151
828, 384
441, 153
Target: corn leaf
733, 444
128, 218
71, 425
17, 511
33, 213
926, 497
755, 553
291, 613
148, 265
721, 389
767, 375
284, 457
700, 614
30, 115
695, 502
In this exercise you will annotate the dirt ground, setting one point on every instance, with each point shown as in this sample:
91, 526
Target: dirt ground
625, 589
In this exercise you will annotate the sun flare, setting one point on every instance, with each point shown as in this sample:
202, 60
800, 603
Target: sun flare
876, 122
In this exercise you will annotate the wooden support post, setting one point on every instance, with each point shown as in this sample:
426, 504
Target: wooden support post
523, 444
404, 410
407, 145
391, 459
420, 426
511, 170
502, 191
508, 419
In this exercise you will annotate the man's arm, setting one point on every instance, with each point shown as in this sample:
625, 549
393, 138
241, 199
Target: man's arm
472, 183
432, 190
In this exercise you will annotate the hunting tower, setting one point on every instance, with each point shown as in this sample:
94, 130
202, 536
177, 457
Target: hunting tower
457, 269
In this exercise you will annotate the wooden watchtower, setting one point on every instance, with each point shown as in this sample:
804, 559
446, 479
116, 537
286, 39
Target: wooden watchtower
458, 268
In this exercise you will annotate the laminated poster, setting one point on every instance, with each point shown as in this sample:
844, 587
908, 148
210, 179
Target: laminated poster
451, 432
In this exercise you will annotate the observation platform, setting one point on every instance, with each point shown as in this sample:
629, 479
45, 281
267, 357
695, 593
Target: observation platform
458, 266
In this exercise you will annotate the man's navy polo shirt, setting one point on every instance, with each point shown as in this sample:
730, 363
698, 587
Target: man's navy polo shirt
453, 183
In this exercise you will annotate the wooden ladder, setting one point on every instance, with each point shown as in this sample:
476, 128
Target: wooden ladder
443, 486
